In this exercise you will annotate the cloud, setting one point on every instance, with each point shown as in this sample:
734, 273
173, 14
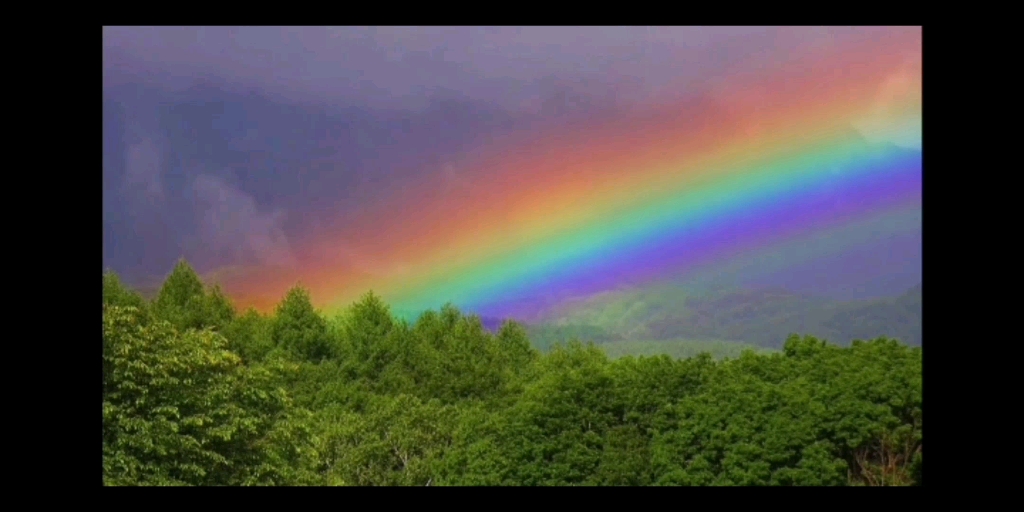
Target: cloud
232, 226
139, 222
143, 172
895, 116
403, 66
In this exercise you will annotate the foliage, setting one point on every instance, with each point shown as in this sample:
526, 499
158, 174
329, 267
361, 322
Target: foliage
115, 293
250, 335
299, 330
197, 395
186, 304
179, 408
396, 441
679, 349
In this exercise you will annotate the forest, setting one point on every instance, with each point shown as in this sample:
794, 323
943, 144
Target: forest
196, 393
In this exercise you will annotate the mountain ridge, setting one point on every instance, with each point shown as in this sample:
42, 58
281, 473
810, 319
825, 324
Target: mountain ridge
764, 317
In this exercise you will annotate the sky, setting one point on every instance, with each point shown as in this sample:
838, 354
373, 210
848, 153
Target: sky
497, 167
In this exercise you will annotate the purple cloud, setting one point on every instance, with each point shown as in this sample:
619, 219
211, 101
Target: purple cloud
401, 66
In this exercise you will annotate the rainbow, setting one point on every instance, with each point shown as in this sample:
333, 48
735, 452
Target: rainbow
756, 164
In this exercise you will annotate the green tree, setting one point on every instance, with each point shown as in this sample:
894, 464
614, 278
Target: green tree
219, 312
249, 335
180, 409
626, 458
115, 293
197, 395
476, 455
365, 333
743, 429
180, 297
185, 303
515, 346
300, 330
565, 414
471, 364
399, 440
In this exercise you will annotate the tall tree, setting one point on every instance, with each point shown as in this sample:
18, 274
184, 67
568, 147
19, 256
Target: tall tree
365, 332
181, 286
185, 303
219, 310
515, 345
249, 335
299, 329
181, 300
115, 293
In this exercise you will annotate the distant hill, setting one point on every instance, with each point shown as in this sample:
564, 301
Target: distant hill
679, 349
544, 335
761, 317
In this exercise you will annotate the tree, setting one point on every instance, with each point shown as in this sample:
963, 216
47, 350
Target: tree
219, 310
515, 345
181, 293
565, 414
184, 303
748, 425
300, 330
365, 331
115, 293
399, 440
250, 336
195, 395
180, 409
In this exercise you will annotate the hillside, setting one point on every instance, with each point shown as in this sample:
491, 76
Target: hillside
679, 349
761, 317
